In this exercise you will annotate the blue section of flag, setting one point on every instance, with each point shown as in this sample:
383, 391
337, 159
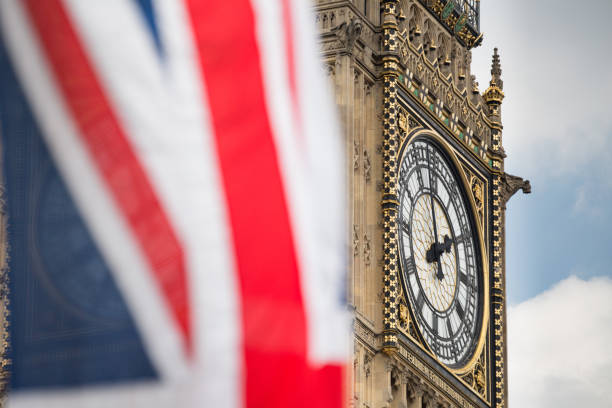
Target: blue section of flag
69, 323
148, 12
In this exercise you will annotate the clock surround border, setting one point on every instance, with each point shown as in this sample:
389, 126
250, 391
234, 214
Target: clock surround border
450, 153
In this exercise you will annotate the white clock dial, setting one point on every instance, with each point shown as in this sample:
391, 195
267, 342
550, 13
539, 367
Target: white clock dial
441, 270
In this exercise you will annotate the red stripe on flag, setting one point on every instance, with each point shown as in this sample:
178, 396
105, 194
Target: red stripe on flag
101, 131
273, 316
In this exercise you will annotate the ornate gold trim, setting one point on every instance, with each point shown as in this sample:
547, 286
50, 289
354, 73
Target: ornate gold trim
453, 22
499, 348
467, 122
479, 350
493, 94
432, 376
474, 122
389, 201
478, 189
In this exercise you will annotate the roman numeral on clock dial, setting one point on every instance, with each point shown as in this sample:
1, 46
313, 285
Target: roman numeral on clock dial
459, 310
420, 301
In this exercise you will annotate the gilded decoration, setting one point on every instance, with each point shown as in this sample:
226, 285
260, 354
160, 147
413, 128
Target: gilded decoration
404, 315
406, 123
493, 94
476, 378
455, 22
478, 190
390, 147
403, 121
498, 297
439, 94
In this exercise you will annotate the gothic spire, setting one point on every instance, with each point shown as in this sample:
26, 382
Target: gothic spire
496, 71
494, 95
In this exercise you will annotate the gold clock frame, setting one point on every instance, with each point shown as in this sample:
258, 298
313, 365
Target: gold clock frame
450, 152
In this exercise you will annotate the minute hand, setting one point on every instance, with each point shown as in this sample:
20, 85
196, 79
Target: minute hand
433, 210
437, 253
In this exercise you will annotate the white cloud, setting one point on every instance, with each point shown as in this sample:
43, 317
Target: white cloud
593, 201
560, 346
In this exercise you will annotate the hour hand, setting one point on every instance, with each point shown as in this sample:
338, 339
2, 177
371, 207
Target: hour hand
438, 248
432, 253
445, 246
440, 274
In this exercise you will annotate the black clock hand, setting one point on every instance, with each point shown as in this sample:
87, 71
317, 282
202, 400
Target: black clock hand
435, 250
433, 209
440, 249
439, 274
446, 245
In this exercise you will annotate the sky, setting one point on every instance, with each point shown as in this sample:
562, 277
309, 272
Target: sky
557, 115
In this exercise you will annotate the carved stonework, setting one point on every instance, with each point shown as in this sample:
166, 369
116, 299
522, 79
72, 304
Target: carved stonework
412, 332
479, 379
367, 165
477, 192
330, 69
403, 121
348, 33
367, 364
471, 121
366, 335
404, 315
367, 249
511, 184
414, 388
396, 378
478, 188
476, 378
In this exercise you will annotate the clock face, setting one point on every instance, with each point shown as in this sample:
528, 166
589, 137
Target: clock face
441, 271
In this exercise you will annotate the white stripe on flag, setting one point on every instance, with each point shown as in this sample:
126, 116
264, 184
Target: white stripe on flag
215, 291
326, 171
173, 139
311, 159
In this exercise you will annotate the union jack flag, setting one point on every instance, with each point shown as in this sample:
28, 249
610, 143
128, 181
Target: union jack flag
174, 189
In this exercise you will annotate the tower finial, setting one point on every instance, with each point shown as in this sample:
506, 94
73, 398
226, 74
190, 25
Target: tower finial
496, 71
494, 95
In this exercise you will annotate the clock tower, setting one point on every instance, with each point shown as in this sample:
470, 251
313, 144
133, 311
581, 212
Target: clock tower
428, 192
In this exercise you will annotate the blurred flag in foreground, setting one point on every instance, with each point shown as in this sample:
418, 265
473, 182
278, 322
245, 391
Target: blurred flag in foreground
174, 189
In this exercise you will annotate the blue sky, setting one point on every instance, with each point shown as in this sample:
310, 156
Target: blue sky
557, 71
557, 115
